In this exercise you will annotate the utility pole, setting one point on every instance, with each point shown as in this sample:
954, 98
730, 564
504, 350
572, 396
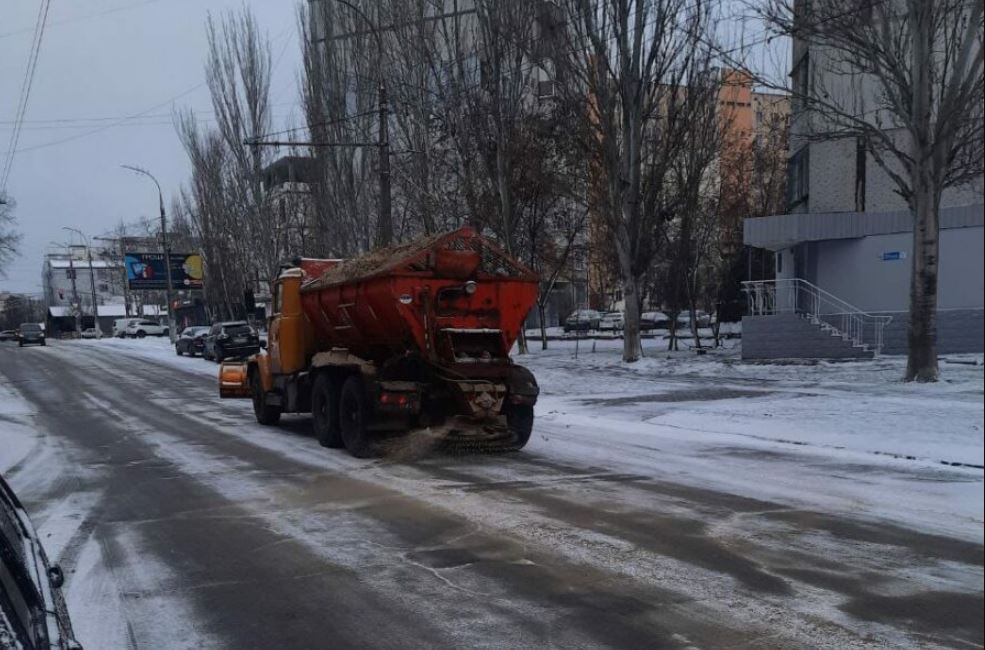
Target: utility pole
164, 246
76, 303
92, 281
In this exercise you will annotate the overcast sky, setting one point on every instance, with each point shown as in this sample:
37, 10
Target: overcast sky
100, 62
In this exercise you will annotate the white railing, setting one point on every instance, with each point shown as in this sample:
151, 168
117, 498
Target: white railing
797, 296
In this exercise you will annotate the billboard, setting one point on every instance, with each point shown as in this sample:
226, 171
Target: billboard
145, 271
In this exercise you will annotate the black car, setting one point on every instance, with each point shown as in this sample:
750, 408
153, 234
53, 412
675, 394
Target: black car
231, 339
32, 611
30, 334
191, 341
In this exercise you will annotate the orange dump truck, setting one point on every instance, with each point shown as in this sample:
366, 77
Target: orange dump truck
412, 337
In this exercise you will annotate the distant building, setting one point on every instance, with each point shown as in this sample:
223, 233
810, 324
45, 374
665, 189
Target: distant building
68, 288
288, 182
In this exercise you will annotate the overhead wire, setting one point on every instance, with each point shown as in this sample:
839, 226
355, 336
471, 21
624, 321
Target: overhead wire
25, 95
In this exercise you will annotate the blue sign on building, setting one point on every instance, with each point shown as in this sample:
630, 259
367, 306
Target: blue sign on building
893, 256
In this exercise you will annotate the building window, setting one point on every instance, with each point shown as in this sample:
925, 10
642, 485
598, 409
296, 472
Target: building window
798, 177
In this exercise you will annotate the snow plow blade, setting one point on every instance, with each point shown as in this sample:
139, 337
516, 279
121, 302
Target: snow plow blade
233, 380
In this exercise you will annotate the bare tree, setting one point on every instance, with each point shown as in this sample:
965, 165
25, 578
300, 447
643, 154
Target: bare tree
906, 78
631, 61
9, 238
340, 98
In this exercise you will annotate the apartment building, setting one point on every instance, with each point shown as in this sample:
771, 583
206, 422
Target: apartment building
843, 247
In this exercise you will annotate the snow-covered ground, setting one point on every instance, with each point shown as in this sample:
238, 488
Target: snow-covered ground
839, 436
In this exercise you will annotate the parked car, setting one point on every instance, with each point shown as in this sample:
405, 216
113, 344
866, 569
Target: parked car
8, 335
120, 326
90, 333
141, 328
191, 341
33, 615
30, 334
612, 321
230, 339
654, 320
582, 320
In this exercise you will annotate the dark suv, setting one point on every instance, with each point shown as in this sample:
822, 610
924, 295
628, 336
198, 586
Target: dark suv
30, 334
231, 339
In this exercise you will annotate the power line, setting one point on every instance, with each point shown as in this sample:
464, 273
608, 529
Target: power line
32, 64
126, 118
67, 21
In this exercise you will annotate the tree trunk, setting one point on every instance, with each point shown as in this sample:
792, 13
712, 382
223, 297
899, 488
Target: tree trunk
921, 363
542, 315
631, 341
631, 318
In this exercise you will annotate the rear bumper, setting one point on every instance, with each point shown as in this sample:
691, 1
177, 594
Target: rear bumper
239, 350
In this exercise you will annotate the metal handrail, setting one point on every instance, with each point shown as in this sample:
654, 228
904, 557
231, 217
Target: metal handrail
798, 296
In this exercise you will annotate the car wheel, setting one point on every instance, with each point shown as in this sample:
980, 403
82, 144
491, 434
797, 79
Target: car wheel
266, 414
520, 422
141, 334
354, 417
325, 411
178, 351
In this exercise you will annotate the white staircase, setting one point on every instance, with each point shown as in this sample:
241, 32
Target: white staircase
829, 314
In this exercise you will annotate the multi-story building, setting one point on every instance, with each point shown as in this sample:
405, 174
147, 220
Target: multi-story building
843, 247
68, 278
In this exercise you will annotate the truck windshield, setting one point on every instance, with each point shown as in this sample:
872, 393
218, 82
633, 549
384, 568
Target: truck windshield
30, 327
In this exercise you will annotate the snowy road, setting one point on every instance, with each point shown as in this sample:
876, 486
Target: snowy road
183, 524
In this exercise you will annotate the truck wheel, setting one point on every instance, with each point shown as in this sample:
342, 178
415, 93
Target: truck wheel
520, 421
325, 411
265, 413
354, 416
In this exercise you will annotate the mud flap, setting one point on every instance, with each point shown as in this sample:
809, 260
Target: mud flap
234, 380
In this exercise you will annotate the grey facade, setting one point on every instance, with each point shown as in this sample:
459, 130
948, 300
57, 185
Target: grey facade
848, 233
864, 259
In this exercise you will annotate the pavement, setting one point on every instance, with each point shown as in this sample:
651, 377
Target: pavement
181, 523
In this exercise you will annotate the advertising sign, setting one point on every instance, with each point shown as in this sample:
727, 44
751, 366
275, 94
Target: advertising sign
145, 271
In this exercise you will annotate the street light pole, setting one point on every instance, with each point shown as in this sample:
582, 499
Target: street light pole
164, 245
92, 281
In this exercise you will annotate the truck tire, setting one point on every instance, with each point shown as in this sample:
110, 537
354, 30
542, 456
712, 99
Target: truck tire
266, 414
354, 417
520, 422
325, 411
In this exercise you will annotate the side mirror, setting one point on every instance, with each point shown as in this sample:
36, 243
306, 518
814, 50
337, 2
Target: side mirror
55, 576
